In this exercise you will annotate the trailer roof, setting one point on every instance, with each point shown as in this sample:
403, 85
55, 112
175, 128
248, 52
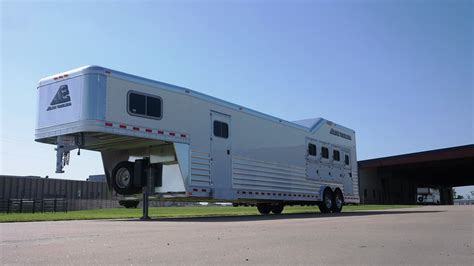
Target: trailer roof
309, 123
306, 124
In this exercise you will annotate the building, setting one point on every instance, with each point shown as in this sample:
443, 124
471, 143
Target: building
394, 179
78, 194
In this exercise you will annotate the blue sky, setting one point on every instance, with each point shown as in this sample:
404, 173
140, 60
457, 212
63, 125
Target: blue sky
400, 73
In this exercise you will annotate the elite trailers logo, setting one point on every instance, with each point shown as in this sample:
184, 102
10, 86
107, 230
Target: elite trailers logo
61, 99
340, 134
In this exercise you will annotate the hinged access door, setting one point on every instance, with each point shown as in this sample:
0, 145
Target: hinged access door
221, 172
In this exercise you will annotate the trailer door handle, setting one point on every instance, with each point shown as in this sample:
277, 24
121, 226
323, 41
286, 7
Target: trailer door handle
228, 152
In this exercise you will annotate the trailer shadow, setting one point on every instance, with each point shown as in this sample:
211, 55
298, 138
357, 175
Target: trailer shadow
251, 218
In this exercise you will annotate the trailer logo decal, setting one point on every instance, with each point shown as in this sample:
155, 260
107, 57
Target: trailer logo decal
61, 99
340, 134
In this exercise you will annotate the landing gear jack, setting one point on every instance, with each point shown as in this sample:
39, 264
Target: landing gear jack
145, 216
153, 178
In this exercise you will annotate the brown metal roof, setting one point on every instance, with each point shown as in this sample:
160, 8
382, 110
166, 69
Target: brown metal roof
460, 152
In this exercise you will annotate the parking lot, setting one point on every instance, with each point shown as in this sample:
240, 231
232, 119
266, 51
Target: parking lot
422, 235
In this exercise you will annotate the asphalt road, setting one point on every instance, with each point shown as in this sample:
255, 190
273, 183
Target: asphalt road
427, 235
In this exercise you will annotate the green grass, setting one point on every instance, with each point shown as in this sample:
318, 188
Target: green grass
170, 212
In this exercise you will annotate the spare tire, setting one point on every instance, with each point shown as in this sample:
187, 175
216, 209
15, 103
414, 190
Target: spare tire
122, 178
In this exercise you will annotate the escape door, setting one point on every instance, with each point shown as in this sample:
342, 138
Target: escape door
221, 172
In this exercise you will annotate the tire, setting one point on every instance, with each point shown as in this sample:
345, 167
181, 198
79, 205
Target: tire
122, 178
264, 208
328, 198
278, 209
338, 201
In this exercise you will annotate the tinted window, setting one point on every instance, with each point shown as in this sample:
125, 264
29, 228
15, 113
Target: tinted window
324, 152
312, 149
221, 129
336, 155
153, 107
346, 159
136, 103
144, 105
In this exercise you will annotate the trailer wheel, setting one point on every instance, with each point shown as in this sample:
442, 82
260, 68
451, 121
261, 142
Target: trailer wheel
264, 208
122, 178
278, 209
326, 205
338, 201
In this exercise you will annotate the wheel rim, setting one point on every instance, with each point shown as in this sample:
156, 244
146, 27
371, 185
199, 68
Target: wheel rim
327, 200
123, 178
338, 200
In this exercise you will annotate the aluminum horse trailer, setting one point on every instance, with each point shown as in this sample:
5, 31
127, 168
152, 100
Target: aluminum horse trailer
183, 144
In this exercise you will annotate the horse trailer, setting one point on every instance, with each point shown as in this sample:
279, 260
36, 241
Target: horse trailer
183, 145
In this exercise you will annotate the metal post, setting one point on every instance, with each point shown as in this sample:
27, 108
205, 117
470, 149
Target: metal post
145, 204
146, 190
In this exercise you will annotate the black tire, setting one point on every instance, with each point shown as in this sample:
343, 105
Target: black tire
122, 178
338, 201
328, 198
278, 209
264, 208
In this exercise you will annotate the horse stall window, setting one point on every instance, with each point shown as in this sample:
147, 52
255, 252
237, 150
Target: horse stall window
325, 152
312, 149
336, 155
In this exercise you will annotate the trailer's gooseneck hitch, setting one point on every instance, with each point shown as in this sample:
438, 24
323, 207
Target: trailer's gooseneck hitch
65, 144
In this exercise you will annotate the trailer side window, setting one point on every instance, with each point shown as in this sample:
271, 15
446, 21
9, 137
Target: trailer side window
221, 129
144, 105
336, 155
153, 107
325, 152
136, 103
312, 149
346, 159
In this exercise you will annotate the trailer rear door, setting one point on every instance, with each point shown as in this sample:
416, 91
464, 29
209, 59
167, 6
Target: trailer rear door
220, 154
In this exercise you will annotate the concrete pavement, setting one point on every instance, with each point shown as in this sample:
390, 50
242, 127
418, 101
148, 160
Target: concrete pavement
436, 235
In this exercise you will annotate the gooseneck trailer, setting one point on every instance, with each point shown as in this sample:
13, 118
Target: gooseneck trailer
182, 144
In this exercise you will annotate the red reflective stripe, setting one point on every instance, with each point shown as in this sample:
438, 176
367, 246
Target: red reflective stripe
148, 130
136, 128
161, 132
183, 135
108, 124
172, 134
66, 75
123, 126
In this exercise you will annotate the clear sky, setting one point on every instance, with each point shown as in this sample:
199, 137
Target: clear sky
400, 73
